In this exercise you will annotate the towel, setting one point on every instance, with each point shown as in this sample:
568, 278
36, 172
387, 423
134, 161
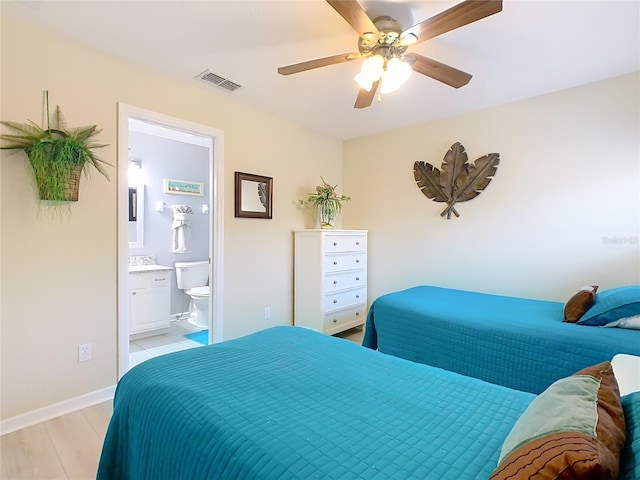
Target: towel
181, 228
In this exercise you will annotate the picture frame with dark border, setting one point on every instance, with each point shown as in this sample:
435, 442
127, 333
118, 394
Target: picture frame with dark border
253, 196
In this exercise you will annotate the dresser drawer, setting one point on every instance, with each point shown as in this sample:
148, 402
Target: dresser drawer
345, 243
347, 261
336, 301
339, 281
353, 316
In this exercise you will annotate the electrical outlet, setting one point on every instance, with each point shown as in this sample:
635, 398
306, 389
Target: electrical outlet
267, 313
84, 352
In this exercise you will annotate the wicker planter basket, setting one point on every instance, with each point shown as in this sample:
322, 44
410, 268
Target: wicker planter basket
57, 154
71, 186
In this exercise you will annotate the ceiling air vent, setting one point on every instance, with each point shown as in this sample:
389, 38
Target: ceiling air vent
219, 81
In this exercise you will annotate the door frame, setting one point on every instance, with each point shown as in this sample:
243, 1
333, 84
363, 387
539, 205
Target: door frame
216, 223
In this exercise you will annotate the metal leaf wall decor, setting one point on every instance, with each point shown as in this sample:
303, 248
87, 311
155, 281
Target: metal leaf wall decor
458, 180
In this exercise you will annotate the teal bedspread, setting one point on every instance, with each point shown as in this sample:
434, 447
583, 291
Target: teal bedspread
516, 342
289, 403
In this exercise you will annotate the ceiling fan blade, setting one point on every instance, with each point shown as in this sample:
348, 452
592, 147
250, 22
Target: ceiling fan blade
317, 63
355, 16
365, 98
439, 71
457, 16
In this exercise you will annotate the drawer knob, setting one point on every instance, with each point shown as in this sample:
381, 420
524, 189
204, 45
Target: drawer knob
335, 244
357, 243
335, 320
357, 314
335, 282
357, 261
335, 263
357, 296
134, 293
357, 279
335, 301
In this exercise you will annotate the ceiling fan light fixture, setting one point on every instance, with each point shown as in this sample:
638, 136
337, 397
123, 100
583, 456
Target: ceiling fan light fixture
371, 70
364, 82
408, 38
396, 74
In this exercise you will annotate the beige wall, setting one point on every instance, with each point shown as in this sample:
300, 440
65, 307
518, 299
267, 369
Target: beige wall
59, 277
569, 176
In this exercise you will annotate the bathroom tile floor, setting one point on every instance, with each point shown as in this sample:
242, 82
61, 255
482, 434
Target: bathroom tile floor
172, 341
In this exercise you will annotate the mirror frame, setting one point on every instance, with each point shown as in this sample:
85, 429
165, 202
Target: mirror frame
268, 181
139, 242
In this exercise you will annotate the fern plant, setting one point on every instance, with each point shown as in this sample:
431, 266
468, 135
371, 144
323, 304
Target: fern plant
326, 202
57, 154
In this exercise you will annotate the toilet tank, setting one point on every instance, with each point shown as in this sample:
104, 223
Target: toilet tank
192, 274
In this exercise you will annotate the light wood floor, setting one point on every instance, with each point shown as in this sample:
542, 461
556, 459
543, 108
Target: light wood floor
68, 447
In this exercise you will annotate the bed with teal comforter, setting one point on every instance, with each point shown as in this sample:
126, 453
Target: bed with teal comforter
516, 342
290, 403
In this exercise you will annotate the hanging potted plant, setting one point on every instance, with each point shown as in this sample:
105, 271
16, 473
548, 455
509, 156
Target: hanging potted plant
326, 202
57, 154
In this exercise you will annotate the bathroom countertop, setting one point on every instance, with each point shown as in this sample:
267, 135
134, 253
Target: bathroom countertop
148, 268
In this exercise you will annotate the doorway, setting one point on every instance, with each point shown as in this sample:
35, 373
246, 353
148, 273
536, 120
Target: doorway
166, 127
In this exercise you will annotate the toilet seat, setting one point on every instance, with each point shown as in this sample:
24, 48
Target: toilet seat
199, 291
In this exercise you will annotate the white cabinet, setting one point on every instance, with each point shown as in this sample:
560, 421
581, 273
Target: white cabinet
330, 279
149, 302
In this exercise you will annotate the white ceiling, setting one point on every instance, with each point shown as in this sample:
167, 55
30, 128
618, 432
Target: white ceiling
528, 49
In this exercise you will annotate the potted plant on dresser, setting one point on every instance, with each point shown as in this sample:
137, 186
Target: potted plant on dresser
326, 202
57, 154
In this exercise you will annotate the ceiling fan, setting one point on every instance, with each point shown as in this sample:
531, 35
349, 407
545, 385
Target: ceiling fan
383, 44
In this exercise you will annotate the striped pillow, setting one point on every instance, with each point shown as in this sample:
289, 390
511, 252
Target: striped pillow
574, 429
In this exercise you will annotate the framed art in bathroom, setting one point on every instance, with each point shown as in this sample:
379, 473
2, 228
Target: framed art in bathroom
182, 187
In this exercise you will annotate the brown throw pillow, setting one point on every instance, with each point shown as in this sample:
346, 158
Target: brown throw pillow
574, 429
579, 303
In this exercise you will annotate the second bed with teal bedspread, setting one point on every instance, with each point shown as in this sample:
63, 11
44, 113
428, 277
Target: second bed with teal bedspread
516, 342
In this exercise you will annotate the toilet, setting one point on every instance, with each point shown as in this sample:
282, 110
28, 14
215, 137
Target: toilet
193, 278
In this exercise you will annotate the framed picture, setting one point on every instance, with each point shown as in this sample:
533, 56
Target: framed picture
182, 187
253, 195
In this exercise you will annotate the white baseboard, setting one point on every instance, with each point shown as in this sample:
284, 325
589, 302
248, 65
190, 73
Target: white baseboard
43, 414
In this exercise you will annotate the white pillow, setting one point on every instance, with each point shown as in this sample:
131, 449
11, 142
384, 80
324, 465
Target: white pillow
627, 322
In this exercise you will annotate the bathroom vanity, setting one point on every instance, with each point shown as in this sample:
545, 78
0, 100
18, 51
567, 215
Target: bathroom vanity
149, 299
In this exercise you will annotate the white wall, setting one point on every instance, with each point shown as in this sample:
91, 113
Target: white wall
59, 277
568, 180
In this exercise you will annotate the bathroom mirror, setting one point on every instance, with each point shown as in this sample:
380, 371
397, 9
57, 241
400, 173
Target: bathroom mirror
253, 195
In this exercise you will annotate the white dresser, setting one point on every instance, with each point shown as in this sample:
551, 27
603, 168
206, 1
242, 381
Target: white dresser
330, 279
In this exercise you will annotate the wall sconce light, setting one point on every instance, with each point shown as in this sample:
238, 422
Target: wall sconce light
134, 173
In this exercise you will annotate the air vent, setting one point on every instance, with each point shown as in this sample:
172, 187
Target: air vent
219, 81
